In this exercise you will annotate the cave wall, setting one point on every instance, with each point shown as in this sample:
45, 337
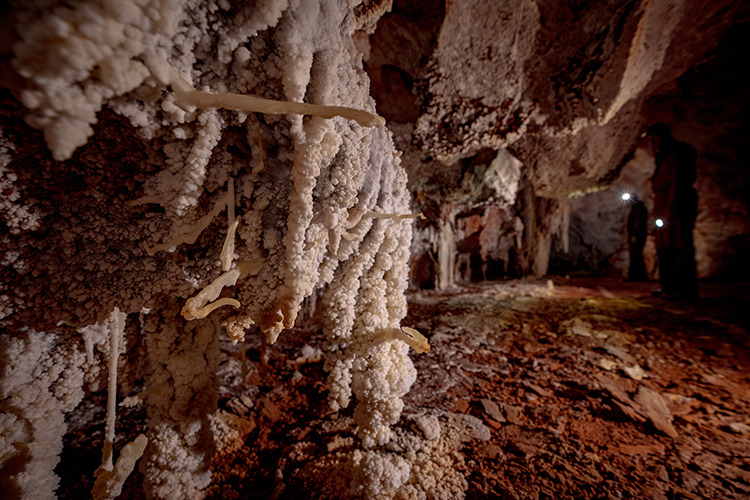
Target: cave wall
708, 108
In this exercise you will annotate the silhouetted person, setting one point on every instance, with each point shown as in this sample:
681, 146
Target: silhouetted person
676, 205
637, 232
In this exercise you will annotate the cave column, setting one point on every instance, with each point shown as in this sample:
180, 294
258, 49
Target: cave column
552, 219
181, 395
542, 247
446, 247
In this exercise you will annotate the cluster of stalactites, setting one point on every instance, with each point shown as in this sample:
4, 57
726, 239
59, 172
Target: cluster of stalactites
345, 203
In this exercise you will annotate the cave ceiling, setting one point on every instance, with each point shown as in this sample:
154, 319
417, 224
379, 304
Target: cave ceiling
561, 85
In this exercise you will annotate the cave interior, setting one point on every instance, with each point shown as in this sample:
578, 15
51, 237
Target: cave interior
250, 269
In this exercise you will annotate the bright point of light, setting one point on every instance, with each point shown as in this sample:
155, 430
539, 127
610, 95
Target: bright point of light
659, 223
625, 196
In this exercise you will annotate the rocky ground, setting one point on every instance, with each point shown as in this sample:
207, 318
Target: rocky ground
590, 389
602, 391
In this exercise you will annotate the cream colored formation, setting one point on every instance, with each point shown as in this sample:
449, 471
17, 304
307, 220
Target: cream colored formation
320, 203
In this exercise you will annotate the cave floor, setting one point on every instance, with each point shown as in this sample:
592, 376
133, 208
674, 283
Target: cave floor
591, 388
602, 390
